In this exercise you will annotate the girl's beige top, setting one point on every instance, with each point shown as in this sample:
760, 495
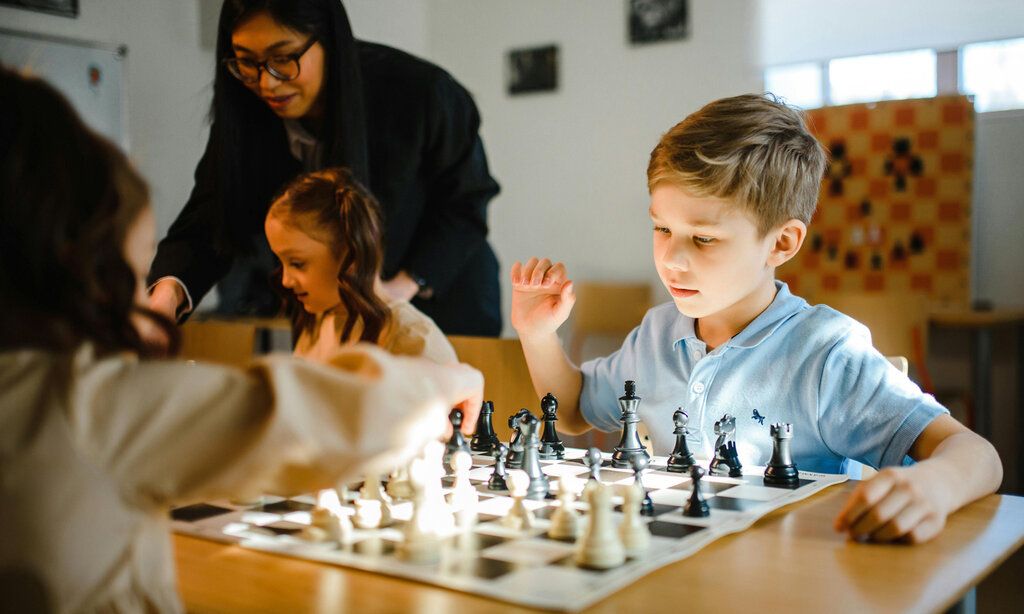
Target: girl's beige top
410, 333
93, 452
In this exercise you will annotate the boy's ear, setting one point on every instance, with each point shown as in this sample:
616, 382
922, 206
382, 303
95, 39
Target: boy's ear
788, 239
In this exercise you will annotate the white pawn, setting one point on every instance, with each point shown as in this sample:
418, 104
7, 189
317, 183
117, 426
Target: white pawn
600, 546
433, 496
519, 517
327, 520
373, 509
420, 543
636, 537
463, 498
398, 483
564, 521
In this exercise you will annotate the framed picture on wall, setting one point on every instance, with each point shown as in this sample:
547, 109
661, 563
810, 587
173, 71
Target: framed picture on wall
532, 70
67, 8
652, 21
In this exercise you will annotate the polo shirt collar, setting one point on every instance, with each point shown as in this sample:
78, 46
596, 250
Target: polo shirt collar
782, 307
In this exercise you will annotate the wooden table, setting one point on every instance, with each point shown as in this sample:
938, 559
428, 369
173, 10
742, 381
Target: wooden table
791, 560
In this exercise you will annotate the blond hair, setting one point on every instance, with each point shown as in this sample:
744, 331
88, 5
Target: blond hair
750, 149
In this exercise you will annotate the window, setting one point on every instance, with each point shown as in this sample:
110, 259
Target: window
994, 73
797, 84
884, 76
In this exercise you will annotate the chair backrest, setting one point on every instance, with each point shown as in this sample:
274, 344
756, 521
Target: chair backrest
606, 309
220, 341
507, 380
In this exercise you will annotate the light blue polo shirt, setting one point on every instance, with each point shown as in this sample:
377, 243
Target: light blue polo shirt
810, 366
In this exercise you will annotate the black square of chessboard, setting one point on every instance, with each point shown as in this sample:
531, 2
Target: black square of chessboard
480, 567
199, 511
374, 546
706, 486
760, 482
672, 529
282, 528
570, 561
285, 506
733, 504
659, 509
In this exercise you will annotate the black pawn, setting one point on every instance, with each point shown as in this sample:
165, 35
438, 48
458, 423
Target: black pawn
638, 464
497, 480
484, 439
681, 458
551, 447
456, 441
696, 507
593, 462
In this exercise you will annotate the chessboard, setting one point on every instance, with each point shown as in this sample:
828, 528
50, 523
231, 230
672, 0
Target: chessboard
524, 567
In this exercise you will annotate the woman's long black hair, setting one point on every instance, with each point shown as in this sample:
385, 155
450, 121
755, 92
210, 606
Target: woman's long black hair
243, 125
67, 200
332, 206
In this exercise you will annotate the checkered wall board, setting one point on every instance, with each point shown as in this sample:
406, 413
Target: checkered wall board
894, 213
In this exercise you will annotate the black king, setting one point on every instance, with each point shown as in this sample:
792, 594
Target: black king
629, 445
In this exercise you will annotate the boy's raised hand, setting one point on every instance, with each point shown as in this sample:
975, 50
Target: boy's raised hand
896, 505
542, 297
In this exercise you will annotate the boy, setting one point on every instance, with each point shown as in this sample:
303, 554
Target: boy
733, 187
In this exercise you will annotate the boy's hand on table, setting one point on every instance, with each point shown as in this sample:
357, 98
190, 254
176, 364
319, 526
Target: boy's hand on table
542, 297
899, 504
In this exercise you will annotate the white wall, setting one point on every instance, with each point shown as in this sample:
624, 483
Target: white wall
572, 163
167, 83
843, 28
398, 23
801, 30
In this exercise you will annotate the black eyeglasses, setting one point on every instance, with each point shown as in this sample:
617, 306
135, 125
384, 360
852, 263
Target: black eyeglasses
283, 67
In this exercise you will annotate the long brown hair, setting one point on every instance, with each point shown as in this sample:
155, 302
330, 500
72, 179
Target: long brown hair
331, 205
67, 199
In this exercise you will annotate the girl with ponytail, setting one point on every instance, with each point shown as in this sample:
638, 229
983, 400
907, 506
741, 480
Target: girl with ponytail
325, 229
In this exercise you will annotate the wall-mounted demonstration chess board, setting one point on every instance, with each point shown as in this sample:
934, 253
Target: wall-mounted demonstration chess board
519, 566
894, 212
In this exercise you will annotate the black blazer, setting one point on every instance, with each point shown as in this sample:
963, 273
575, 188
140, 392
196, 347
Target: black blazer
429, 172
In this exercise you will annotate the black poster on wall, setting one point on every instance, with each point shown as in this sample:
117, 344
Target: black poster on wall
67, 8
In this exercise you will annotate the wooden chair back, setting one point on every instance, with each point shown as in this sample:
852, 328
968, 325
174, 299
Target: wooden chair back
219, 341
606, 309
506, 377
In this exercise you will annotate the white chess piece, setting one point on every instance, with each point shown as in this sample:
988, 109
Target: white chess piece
519, 517
373, 509
600, 546
420, 543
327, 520
398, 483
636, 537
564, 521
463, 498
442, 519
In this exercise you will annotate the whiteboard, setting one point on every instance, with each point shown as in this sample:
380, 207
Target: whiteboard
91, 75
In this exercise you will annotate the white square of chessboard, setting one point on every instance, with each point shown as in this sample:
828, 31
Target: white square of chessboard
499, 506
529, 551
560, 470
745, 491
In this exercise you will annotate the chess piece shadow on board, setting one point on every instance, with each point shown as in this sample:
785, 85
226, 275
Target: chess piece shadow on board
507, 381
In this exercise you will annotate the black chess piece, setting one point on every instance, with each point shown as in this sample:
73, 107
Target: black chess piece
639, 463
696, 506
681, 458
593, 461
516, 449
497, 479
731, 458
781, 470
456, 441
538, 488
724, 428
630, 443
484, 439
551, 447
